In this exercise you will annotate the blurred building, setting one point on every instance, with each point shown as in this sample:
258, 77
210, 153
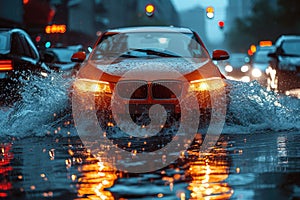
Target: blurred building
84, 19
237, 9
241, 9
81, 19
195, 19
98, 15
11, 13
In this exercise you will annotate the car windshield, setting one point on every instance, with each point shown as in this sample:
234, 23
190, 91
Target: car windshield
238, 60
261, 57
4, 38
149, 45
63, 55
291, 47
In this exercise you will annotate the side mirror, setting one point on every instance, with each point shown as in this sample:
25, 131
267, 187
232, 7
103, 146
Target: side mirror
78, 56
220, 55
272, 55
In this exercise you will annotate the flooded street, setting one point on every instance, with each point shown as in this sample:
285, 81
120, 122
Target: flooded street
241, 166
257, 155
147, 100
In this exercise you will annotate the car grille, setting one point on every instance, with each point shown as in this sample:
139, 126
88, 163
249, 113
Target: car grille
127, 89
165, 89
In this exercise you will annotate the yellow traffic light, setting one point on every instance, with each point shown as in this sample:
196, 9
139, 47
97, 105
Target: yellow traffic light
149, 9
253, 48
210, 12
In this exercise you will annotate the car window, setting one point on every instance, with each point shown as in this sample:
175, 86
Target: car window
62, 55
30, 45
22, 47
291, 47
17, 47
4, 41
238, 60
173, 43
261, 57
27, 50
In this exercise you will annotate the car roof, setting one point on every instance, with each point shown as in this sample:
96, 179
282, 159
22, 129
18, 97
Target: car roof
287, 37
150, 29
11, 30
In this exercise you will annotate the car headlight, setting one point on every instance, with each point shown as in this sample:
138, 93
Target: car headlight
244, 68
228, 68
256, 73
208, 84
87, 85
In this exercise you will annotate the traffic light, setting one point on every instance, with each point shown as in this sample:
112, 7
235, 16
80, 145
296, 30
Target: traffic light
221, 24
210, 12
149, 9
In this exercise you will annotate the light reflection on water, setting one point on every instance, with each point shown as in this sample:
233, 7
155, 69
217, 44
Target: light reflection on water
203, 177
208, 175
95, 177
250, 166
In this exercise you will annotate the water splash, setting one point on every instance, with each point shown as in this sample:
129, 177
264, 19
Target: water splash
254, 109
44, 103
45, 109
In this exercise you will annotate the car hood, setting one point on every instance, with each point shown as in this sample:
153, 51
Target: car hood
147, 69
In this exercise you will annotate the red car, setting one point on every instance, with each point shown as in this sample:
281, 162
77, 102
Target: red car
132, 69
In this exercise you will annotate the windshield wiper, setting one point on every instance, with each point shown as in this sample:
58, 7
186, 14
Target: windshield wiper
154, 52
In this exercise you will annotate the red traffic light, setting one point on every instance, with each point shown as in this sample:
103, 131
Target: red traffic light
149, 9
221, 24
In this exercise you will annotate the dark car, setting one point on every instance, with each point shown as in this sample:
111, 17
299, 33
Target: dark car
284, 71
132, 69
59, 58
19, 57
237, 67
260, 63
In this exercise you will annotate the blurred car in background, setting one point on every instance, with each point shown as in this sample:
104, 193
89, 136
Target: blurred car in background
284, 70
259, 64
19, 58
123, 51
59, 58
237, 67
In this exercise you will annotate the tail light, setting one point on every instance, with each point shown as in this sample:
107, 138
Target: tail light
6, 65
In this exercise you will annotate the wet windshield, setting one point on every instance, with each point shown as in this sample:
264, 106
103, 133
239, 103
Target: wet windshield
149, 45
291, 47
237, 60
4, 41
261, 57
